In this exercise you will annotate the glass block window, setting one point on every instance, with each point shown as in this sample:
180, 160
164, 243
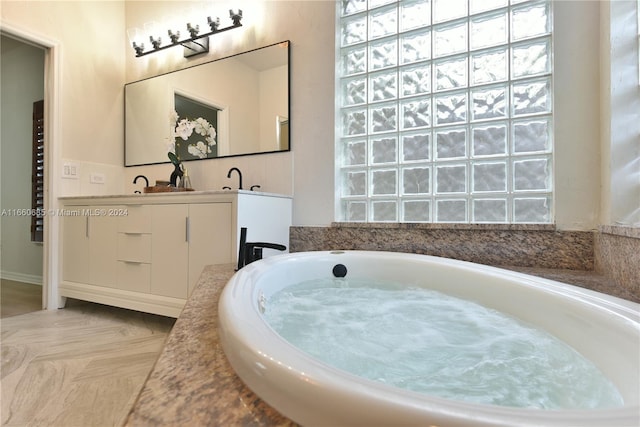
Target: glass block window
444, 111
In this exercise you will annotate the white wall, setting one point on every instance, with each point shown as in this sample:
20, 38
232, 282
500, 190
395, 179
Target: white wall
91, 35
22, 85
576, 114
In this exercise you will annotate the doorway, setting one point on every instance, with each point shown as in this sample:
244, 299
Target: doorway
21, 259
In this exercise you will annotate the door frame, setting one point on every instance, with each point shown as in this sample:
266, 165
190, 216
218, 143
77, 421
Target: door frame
51, 299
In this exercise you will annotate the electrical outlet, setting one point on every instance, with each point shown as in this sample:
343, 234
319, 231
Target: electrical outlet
97, 178
70, 170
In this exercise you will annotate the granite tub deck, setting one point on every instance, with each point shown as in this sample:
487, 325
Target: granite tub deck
193, 384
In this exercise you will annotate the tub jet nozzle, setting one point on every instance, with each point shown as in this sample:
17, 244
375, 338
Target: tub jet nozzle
339, 270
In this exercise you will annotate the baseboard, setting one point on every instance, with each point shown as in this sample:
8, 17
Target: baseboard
132, 300
21, 277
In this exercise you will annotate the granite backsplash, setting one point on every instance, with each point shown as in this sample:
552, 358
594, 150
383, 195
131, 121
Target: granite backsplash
611, 252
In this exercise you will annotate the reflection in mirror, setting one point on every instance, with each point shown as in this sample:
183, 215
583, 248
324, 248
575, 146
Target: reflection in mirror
222, 108
194, 138
282, 132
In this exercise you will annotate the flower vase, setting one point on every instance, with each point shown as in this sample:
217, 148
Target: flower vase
177, 173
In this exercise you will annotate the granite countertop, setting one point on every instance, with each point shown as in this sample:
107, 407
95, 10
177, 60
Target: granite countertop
177, 194
192, 383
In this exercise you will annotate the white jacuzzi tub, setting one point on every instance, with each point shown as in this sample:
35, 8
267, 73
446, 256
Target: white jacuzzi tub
604, 329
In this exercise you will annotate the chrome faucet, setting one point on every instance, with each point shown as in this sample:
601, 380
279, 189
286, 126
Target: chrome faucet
239, 176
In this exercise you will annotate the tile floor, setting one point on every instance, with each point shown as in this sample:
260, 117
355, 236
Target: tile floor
79, 366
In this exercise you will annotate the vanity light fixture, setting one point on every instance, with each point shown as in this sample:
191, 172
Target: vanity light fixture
194, 44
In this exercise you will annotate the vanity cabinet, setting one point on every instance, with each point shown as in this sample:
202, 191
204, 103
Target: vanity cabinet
147, 252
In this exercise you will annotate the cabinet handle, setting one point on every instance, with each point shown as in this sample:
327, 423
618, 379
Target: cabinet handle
186, 229
86, 226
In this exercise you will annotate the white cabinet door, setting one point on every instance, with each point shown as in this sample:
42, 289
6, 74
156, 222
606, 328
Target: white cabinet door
89, 247
170, 250
186, 238
75, 247
103, 246
210, 237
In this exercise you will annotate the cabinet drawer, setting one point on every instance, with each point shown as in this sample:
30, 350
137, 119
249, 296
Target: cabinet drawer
137, 220
134, 247
134, 276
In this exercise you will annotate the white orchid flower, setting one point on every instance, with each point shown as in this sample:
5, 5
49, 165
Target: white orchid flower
184, 129
200, 149
211, 139
173, 118
201, 126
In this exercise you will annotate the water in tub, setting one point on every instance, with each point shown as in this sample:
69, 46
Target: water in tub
425, 341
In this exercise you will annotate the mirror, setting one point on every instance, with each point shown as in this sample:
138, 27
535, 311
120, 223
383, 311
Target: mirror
232, 106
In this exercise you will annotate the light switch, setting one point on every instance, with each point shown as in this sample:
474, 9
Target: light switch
70, 170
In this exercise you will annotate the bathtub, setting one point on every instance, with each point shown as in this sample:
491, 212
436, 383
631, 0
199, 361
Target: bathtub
604, 329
